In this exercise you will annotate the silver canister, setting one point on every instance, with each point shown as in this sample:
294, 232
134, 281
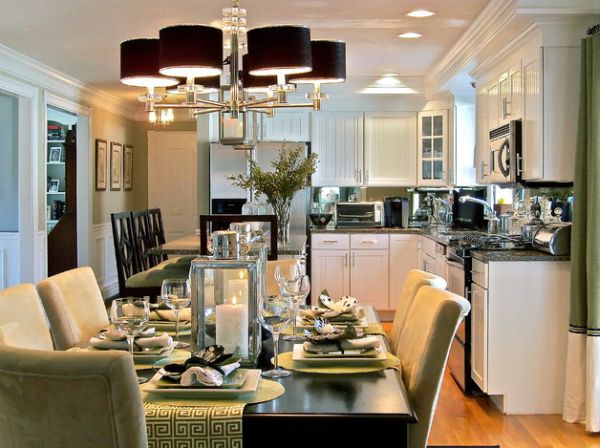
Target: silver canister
226, 245
243, 228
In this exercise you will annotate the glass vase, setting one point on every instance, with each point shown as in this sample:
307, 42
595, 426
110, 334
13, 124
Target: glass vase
283, 211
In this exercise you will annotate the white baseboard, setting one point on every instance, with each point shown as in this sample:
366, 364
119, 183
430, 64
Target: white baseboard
9, 259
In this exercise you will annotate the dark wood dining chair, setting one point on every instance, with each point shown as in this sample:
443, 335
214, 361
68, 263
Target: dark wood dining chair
206, 220
157, 232
143, 239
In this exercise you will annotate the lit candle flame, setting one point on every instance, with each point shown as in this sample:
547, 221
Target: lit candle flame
242, 277
234, 300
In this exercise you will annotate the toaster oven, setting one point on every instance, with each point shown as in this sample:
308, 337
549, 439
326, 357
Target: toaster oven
359, 214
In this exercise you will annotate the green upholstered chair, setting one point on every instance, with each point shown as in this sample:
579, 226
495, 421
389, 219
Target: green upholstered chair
415, 280
69, 400
23, 322
423, 348
74, 305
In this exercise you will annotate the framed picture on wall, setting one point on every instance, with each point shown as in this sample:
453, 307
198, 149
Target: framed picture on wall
116, 153
128, 168
101, 154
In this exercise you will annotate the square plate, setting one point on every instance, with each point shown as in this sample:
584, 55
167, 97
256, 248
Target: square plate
167, 325
250, 386
153, 354
234, 380
299, 355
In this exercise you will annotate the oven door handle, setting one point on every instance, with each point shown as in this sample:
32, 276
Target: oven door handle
366, 215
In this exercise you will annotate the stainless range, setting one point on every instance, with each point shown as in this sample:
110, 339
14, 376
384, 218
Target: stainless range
459, 282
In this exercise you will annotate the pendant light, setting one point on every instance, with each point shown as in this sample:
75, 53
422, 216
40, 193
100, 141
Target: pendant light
210, 84
255, 84
140, 65
329, 63
191, 51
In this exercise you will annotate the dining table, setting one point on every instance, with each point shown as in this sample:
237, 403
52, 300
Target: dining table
340, 409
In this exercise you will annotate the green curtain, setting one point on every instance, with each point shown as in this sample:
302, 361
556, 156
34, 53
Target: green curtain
582, 395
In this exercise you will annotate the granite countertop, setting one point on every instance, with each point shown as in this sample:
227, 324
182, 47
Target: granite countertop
449, 237
516, 255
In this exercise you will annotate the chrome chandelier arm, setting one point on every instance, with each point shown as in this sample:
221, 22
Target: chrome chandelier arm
216, 107
281, 105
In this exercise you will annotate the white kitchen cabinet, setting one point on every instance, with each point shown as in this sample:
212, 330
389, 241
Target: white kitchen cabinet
337, 138
369, 277
285, 126
479, 336
518, 337
403, 257
390, 153
533, 159
482, 149
330, 269
432, 157
428, 263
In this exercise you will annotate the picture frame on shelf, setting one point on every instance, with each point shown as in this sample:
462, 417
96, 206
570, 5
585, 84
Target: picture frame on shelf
101, 154
54, 185
116, 154
55, 154
128, 168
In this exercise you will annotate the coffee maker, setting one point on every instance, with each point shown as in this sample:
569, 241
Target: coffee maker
396, 211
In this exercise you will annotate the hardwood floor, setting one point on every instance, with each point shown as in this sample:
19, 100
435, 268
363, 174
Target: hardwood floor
462, 420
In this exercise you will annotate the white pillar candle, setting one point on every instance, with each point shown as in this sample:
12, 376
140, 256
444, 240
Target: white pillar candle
238, 287
232, 327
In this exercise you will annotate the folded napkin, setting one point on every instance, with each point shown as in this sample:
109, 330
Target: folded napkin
105, 342
332, 316
169, 315
206, 376
362, 344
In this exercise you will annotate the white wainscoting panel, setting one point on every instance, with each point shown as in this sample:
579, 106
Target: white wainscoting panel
9, 259
40, 270
103, 259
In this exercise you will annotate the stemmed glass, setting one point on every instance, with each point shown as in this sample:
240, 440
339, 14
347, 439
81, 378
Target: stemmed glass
131, 316
298, 290
175, 294
275, 313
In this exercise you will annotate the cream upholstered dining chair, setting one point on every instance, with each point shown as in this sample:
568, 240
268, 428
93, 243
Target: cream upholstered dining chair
23, 322
69, 400
415, 280
423, 349
284, 265
74, 305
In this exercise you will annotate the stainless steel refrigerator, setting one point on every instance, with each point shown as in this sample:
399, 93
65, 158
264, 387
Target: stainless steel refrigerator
226, 161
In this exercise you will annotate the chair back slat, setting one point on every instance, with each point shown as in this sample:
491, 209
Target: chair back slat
157, 233
143, 240
125, 247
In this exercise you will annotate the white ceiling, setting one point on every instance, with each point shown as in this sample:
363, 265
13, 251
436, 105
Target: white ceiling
81, 37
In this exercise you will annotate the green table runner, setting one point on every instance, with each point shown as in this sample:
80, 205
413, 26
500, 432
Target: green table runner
182, 423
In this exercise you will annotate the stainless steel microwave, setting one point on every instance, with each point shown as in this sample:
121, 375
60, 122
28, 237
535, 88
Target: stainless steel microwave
359, 214
505, 153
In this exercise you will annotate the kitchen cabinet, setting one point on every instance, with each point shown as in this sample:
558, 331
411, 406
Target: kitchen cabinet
403, 258
540, 88
518, 337
371, 267
390, 149
285, 127
432, 157
337, 137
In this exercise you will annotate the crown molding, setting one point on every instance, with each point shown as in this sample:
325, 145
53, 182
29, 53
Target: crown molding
492, 20
505, 52
25, 68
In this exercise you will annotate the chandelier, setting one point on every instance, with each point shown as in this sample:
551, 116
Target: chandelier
188, 60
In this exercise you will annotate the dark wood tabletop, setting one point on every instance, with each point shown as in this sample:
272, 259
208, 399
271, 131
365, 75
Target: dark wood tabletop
319, 408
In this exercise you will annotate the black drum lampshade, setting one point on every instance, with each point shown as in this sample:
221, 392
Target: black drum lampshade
139, 64
329, 63
211, 84
191, 51
252, 83
281, 49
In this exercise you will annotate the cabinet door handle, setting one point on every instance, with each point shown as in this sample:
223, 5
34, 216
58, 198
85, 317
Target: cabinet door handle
329, 241
492, 164
519, 164
366, 176
345, 260
483, 165
369, 241
360, 176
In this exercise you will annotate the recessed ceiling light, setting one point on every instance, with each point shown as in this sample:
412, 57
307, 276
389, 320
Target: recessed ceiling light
409, 35
420, 13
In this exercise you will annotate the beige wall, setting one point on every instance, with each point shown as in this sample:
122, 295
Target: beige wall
113, 128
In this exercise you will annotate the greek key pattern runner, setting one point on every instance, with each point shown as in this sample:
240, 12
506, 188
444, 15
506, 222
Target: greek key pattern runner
171, 426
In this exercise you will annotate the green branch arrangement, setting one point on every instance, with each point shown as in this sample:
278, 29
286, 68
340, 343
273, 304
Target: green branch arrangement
291, 173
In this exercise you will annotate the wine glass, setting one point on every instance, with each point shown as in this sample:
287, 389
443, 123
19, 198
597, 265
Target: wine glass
175, 293
275, 313
298, 290
131, 316
291, 275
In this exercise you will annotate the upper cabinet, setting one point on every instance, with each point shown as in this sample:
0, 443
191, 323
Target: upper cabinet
539, 85
337, 137
285, 126
390, 149
432, 153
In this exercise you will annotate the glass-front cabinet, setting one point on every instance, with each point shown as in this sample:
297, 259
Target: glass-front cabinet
433, 148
